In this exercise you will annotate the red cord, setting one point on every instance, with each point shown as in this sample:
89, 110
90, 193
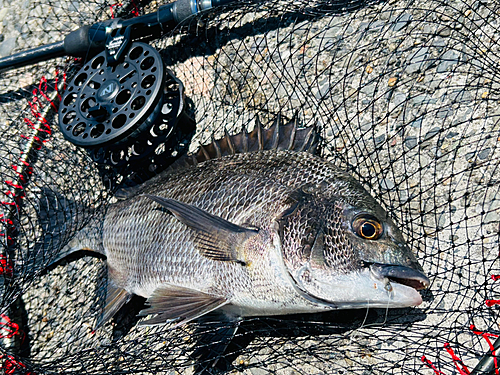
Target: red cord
431, 365
487, 336
462, 369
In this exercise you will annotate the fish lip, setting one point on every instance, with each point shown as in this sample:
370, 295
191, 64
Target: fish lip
400, 274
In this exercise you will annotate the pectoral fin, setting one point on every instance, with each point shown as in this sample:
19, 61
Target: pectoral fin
216, 237
184, 304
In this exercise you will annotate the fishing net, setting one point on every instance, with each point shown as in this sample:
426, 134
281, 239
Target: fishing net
406, 95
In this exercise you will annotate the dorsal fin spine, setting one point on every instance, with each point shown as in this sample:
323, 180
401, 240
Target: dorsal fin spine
306, 142
260, 136
230, 143
293, 124
276, 137
216, 144
204, 153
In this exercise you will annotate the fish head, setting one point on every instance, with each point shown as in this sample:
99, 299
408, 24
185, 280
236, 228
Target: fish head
342, 249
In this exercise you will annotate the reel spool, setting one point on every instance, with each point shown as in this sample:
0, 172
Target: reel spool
125, 112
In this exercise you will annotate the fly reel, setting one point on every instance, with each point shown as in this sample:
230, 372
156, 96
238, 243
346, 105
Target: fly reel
123, 112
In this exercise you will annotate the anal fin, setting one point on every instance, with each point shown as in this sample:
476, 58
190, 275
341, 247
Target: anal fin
115, 298
184, 304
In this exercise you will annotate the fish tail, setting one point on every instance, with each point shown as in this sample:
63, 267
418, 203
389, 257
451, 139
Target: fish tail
62, 238
86, 242
88, 239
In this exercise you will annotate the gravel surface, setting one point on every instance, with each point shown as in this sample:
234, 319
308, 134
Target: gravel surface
406, 96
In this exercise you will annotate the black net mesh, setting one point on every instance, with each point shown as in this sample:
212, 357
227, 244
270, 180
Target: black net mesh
406, 95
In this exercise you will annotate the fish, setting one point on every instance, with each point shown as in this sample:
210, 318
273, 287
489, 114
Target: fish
253, 224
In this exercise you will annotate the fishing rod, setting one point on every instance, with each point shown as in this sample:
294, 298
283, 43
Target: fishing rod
114, 35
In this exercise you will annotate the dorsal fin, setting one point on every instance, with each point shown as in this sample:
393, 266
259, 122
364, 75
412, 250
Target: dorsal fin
278, 136
226, 144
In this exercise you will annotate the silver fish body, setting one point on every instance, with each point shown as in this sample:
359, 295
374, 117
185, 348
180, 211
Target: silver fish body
256, 233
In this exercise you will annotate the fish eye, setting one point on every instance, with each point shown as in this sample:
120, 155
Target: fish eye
367, 227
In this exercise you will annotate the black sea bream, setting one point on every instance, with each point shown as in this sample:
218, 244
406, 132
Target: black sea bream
267, 229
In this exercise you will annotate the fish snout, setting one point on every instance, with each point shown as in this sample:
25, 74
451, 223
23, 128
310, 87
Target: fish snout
400, 274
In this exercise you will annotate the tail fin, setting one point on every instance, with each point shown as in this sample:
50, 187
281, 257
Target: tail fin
86, 242
63, 238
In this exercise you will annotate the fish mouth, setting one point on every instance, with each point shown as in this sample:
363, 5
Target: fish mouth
400, 274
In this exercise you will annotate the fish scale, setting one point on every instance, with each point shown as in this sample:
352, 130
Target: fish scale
252, 195
256, 232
